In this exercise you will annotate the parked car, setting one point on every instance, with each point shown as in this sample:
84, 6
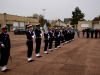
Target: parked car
19, 31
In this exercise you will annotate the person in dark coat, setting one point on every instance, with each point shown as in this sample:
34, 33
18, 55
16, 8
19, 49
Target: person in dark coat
53, 31
30, 35
38, 34
92, 33
62, 36
5, 48
83, 32
99, 32
57, 35
96, 33
88, 32
46, 41
50, 39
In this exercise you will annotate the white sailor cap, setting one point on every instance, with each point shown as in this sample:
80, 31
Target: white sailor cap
56, 28
29, 25
4, 27
37, 24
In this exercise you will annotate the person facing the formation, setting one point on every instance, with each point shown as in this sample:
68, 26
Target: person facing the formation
30, 36
4, 48
38, 34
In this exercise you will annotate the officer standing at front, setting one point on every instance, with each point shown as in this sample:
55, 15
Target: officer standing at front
5, 48
30, 35
38, 34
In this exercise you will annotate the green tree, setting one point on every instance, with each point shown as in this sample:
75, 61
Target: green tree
48, 24
77, 15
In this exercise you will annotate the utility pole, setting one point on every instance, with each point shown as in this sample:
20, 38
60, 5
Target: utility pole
44, 12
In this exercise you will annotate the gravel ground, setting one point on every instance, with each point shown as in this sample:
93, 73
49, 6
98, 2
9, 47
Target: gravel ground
79, 57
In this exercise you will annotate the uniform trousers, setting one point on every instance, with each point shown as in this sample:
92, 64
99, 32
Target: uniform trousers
46, 45
30, 48
50, 43
62, 39
38, 44
91, 35
87, 35
96, 35
5, 53
56, 42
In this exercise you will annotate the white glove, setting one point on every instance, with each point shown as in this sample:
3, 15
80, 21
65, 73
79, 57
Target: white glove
41, 35
2, 45
48, 37
32, 36
53, 34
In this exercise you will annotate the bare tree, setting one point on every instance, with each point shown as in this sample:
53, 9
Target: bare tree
37, 16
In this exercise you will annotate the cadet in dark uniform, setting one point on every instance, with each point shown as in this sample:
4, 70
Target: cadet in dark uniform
59, 36
56, 38
62, 37
30, 35
46, 41
73, 34
50, 39
53, 31
92, 33
5, 48
66, 35
96, 33
38, 34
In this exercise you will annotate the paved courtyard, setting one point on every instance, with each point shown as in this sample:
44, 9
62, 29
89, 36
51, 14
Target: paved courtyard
79, 57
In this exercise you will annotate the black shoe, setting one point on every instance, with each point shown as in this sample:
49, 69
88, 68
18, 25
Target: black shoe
40, 56
30, 60
8, 69
46, 53
4, 70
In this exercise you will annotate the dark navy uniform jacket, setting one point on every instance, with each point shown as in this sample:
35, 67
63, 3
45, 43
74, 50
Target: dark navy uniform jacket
29, 35
56, 34
50, 34
38, 32
46, 35
4, 39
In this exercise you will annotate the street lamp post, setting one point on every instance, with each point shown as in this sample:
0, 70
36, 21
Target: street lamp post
44, 12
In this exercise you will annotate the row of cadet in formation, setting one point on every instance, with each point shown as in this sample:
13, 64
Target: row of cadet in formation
63, 36
90, 32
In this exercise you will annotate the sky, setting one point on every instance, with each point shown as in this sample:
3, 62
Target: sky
54, 8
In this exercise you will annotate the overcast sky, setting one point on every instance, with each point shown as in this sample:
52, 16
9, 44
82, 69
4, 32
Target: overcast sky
54, 8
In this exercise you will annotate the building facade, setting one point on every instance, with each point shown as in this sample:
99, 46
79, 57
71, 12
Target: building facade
95, 23
14, 21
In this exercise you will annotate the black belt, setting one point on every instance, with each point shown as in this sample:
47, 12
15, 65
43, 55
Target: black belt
51, 37
29, 40
38, 37
46, 39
